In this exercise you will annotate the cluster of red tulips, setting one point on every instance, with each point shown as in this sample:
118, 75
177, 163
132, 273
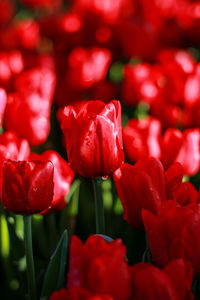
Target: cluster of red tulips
102, 94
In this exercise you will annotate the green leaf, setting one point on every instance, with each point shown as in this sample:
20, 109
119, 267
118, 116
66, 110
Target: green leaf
75, 185
72, 200
55, 273
4, 236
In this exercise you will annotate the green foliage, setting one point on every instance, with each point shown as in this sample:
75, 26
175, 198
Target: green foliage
55, 274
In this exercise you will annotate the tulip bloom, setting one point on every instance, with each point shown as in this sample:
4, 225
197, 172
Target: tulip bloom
136, 191
27, 187
174, 233
28, 109
187, 194
12, 64
142, 138
88, 66
165, 232
13, 148
142, 82
172, 283
93, 137
63, 177
146, 185
183, 148
100, 267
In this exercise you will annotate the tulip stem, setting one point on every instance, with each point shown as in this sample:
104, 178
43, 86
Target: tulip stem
29, 258
99, 210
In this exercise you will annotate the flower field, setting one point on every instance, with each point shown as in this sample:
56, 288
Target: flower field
99, 150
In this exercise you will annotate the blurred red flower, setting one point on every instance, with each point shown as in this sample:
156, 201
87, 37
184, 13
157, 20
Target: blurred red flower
28, 109
142, 138
182, 147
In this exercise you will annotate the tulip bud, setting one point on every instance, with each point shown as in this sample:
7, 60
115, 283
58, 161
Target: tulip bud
93, 137
27, 187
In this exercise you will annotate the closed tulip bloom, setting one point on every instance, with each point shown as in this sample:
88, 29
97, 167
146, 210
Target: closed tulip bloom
167, 230
100, 267
63, 177
93, 137
187, 194
136, 191
87, 66
27, 187
172, 283
182, 147
28, 108
145, 186
13, 148
142, 138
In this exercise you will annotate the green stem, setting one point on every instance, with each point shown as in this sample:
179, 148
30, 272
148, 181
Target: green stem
29, 258
99, 210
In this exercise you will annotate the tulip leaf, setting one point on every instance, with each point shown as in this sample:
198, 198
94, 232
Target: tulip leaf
72, 200
54, 276
107, 238
146, 258
75, 185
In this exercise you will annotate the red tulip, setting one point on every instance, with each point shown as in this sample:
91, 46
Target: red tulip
93, 137
187, 194
142, 82
173, 177
109, 12
165, 231
77, 293
172, 283
60, 295
87, 66
180, 273
99, 267
12, 63
174, 233
147, 186
27, 187
191, 240
63, 177
182, 147
142, 138
7, 9
11, 147
28, 110
177, 66
136, 191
